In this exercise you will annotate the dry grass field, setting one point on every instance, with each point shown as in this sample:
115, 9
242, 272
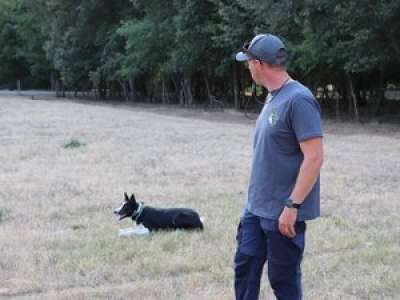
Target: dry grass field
59, 238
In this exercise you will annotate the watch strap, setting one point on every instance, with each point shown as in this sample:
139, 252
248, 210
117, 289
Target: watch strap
290, 203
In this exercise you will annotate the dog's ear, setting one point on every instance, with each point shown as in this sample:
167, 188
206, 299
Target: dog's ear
133, 199
126, 196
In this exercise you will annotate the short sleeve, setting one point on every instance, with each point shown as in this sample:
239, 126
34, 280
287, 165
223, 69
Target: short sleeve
305, 118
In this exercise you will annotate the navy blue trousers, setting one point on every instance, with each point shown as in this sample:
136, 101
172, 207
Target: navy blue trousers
260, 241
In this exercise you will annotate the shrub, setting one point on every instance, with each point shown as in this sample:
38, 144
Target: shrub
73, 143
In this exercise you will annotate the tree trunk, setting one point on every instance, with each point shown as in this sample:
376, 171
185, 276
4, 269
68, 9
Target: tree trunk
177, 89
381, 92
19, 86
102, 88
236, 90
123, 86
152, 94
57, 87
182, 99
337, 107
180, 87
182, 94
53, 81
207, 86
163, 93
363, 96
343, 91
132, 90
353, 97
62, 88
187, 90
167, 92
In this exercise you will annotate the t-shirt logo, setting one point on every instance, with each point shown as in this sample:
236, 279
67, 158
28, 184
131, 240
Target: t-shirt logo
272, 118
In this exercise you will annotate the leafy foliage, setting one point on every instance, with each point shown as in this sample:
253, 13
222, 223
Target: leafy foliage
186, 47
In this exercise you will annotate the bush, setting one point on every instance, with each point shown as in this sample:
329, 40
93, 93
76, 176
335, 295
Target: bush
4, 212
73, 144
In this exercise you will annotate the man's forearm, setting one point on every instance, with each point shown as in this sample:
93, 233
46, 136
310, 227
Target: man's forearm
308, 174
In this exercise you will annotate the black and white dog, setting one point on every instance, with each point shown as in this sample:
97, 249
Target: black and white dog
158, 218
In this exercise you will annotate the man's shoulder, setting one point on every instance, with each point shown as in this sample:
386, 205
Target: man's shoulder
300, 95
300, 92
300, 101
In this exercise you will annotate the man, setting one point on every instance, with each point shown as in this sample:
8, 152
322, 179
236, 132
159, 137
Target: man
284, 187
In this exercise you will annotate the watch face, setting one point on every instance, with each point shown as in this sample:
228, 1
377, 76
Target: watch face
289, 203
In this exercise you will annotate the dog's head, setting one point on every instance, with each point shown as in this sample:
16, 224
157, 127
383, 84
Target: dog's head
128, 207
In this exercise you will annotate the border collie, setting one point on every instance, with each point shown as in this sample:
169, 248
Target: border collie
158, 218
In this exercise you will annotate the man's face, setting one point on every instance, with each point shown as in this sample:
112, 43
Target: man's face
255, 68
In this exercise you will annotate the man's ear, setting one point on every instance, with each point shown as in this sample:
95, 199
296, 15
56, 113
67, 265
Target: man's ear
126, 196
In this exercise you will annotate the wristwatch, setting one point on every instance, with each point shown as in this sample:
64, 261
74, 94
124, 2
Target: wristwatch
290, 204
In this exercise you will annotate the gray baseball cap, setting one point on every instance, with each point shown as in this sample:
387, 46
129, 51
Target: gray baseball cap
265, 47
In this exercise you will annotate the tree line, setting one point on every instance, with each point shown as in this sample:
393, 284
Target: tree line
182, 51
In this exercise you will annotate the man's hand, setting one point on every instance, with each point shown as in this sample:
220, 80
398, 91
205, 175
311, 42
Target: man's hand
287, 221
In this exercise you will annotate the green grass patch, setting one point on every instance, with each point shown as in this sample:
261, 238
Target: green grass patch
4, 213
73, 143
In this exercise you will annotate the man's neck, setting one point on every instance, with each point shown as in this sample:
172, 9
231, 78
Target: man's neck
277, 81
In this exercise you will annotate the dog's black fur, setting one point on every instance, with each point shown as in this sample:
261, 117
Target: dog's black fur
159, 218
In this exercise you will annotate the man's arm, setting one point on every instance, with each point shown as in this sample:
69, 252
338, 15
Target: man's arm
309, 171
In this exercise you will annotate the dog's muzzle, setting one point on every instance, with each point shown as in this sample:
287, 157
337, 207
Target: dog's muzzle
118, 213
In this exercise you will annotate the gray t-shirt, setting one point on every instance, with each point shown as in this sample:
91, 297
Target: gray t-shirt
292, 116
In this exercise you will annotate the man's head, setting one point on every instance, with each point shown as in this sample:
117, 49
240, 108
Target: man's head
267, 48
265, 54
